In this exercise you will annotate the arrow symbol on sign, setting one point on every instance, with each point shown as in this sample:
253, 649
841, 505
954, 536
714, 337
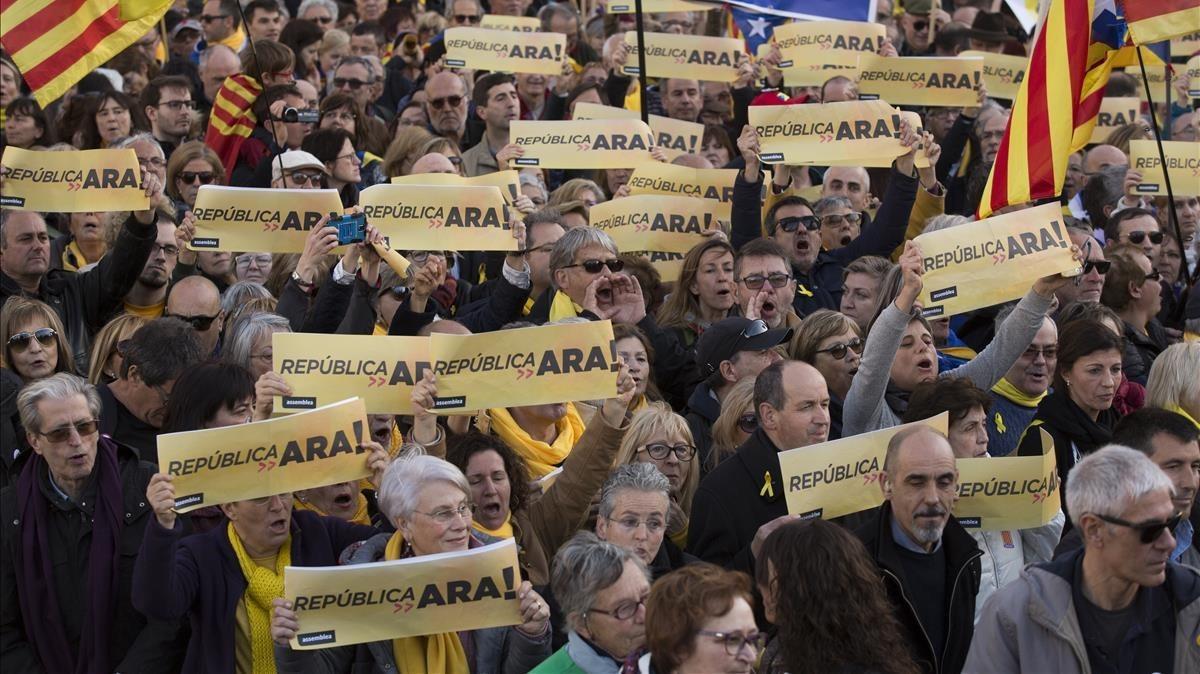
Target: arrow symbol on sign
270, 226
583, 146
998, 258
434, 223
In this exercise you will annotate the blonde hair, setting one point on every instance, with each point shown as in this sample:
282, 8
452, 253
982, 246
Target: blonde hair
1173, 379
816, 328
105, 344
404, 147
738, 401
656, 421
18, 310
332, 39
570, 191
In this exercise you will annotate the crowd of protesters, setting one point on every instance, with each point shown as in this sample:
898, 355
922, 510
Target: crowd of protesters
665, 544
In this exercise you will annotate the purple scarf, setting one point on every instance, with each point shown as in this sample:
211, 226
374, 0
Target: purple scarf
35, 578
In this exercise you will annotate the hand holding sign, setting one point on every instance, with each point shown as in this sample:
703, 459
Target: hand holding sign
153, 187
912, 267
1046, 286
269, 385
160, 494
534, 612
284, 624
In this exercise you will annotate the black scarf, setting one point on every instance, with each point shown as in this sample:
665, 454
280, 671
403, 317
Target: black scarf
1063, 415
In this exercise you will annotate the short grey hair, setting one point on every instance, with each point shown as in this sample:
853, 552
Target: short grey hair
240, 340
583, 567
214, 48
945, 221
576, 240
553, 9
59, 386
642, 477
831, 202
128, 141
327, 4
5, 214
241, 292
1110, 480
448, 8
402, 482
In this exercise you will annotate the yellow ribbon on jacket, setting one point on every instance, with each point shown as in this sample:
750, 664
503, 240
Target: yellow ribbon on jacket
361, 515
540, 457
262, 586
1006, 389
563, 307
505, 530
429, 654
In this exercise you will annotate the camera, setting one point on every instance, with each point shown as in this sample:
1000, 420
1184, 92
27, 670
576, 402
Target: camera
351, 228
294, 115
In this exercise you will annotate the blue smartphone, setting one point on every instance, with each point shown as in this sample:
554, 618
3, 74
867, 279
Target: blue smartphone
351, 228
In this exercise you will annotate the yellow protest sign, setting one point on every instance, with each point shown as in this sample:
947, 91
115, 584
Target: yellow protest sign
628, 7
585, 110
1192, 72
696, 57
324, 368
71, 182
862, 133
505, 50
265, 220
1115, 112
674, 136
1183, 166
525, 366
430, 594
1008, 492
1002, 73
841, 477
1184, 45
621, 143
1158, 81
439, 217
509, 181
814, 51
710, 184
235, 463
521, 24
662, 228
983, 263
912, 80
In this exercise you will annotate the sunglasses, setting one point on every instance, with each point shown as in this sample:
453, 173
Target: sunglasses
209, 18
198, 323
1154, 276
747, 423
777, 280
1148, 531
322, 19
305, 178
594, 266
1138, 237
1097, 265
448, 101
62, 434
466, 18
20, 341
919, 26
190, 177
811, 223
354, 83
838, 351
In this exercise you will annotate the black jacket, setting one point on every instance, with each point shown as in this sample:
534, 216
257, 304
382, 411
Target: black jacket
702, 413
962, 584
84, 301
1141, 350
1074, 433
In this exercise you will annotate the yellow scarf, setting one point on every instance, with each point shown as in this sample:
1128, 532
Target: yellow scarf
379, 330
1005, 389
73, 258
429, 653
262, 586
505, 530
1180, 411
541, 458
563, 307
639, 403
361, 516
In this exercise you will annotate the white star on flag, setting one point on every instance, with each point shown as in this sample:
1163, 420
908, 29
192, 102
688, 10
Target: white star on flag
758, 27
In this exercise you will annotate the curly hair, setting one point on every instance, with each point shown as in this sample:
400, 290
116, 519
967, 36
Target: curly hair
825, 589
463, 447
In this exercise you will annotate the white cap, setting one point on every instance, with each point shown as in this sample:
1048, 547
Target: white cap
292, 160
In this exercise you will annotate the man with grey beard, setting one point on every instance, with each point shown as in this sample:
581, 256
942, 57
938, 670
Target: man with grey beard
928, 561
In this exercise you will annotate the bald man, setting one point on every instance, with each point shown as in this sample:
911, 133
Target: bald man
851, 182
1095, 160
694, 161
434, 162
196, 301
742, 500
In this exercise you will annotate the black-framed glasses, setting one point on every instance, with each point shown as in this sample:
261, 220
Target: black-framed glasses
323, 20
420, 257
735, 641
190, 177
168, 249
623, 611
544, 248
353, 82
811, 223
163, 395
209, 18
776, 279
1155, 275
156, 162
1138, 237
594, 266
301, 178
199, 323
176, 106
920, 25
661, 450
446, 515
451, 101
836, 219
1101, 266
63, 433
1148, 532
21, 341
838, 351
748, 423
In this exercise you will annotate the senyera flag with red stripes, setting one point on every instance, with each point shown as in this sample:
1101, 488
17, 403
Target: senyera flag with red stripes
56, 42
232, 119
1156, 20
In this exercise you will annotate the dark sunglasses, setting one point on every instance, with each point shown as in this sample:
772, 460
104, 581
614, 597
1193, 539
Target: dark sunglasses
1138, 237
305, 178
1098, 265
747, 423
838, 351
62, 434
919, 26
209, 18
594, 266
20, 341
1148, 531
354, 83
199, 323
811, 223
450, 101
777, 280
190, 177
660, 450
466, 18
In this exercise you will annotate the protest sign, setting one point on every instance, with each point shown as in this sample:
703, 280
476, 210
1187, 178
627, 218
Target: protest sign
1002, 73
1009, 492
263, 220
841, 477
439, 217
1192, 72
1115, 112
382, 601
1183, 166
324, 368
264, 458
654, 222
621, 143
710, 184
576, 361
505, 50
521, 24
814, 51
71, 182
509, 182
1186, 44
585, 110
1158, 81
648, 6
983, 263
674, 136
696, 57
861, 133
928, 81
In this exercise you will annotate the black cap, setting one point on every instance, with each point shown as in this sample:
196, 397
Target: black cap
728, 336
990, 27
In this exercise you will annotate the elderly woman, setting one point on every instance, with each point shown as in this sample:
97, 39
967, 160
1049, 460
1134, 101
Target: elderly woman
429, 502
634, 507
1174, 384
831, 342
662, 438
248, 344
603, 589
701, 619
34, 343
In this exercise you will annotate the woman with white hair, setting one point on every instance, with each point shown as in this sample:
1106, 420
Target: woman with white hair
429, 502
1174, 382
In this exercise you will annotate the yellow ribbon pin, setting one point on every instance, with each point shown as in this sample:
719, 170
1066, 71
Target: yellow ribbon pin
768, 489
803, 291
1000, 423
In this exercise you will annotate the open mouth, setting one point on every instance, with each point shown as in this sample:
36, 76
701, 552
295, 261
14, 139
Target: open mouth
925, 365
604, 295
343, 500
802, 244
491, 509
853, 371
845, 240
279, 526
78, 459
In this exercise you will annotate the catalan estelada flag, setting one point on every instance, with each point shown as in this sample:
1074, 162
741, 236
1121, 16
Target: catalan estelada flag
1155, 20
56, 42
232, 118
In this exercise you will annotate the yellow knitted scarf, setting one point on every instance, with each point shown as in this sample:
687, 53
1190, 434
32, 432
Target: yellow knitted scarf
429, 654
563, 307
539, 456
505, 530
361, 515
1005, 388
262, 586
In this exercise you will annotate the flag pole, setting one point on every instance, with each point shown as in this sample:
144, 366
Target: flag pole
261, 83
643, 94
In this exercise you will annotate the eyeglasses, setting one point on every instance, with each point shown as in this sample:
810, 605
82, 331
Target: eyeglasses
353, 82
466, 18
167, 249
1138, 237
991, 135
622, 611
594, 266
322, 19
353, 157
835, 219
838, 351
209, 18
44, 336
776, 279
748, 423
451, 101
176, 106
305, 178
190, 177
811, 223
736, 641
1149, 531
1047, 352
1097, 265
63, 433
919, 26
1154, 276
164, 395
422, 256
631, 524
199, 323
661, 450
246, 259
544, 248
447, 515
156, 162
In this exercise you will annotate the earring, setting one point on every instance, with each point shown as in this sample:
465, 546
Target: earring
1067, 382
